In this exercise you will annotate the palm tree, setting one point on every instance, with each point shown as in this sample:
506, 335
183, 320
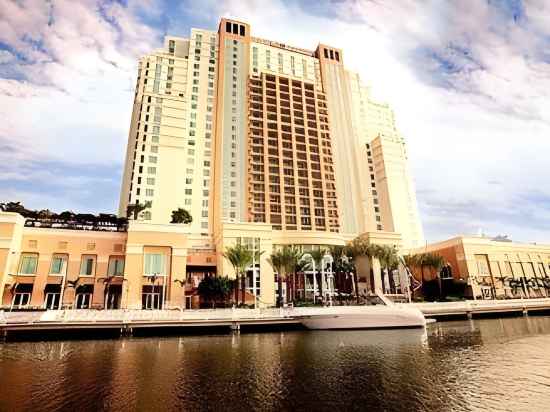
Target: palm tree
292, 256
388, 258
240, 258
431, 261
284, 262
362, 251
181, 216
343, 264
136, 208
276, 260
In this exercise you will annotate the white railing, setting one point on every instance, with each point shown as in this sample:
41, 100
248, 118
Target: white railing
130, 316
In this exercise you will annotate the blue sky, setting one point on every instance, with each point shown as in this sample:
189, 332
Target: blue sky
469, 82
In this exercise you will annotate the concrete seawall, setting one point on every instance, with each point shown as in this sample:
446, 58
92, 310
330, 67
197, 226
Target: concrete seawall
127, 322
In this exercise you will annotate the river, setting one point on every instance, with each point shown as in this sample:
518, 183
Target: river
487, 365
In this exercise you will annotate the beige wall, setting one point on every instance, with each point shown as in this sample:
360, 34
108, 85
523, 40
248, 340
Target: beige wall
464, 252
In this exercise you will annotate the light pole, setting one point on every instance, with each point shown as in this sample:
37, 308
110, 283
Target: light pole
308, 256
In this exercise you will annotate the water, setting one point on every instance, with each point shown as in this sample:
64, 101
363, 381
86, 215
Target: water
490, 365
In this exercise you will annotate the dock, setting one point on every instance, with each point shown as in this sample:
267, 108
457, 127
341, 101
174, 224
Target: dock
127, 322
484, 308
123, 322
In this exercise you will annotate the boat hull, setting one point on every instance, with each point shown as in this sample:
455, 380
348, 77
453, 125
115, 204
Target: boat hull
368, 317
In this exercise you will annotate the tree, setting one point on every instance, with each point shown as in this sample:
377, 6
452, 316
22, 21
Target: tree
343, 264
276, 260
15, 207
181, 216
215, 288
135, 209
388, 258
240, 258
422, 261
284, 262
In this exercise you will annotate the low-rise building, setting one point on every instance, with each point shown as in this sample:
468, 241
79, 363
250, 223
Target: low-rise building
495, 268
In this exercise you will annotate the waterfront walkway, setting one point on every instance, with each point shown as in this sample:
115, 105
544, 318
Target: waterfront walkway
476, 308
126, 321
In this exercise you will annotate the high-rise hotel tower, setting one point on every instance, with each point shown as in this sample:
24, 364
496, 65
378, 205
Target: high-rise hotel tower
261, 140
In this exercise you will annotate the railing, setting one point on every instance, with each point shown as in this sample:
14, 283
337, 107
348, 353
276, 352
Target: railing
128, 316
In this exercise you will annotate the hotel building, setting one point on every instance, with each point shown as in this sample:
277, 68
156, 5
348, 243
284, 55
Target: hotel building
263, 143
238, 129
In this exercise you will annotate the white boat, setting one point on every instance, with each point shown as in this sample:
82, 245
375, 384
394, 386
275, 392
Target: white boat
382, 316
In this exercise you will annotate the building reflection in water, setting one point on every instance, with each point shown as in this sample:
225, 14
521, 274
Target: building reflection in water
481, 364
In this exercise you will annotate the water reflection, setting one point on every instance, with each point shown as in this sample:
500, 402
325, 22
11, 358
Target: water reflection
468, 365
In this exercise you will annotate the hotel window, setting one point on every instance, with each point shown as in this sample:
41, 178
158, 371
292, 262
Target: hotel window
154, 264
149, 192
116, 266
150, 180
59, 265
152, 170
28, 265
83, 298
87, 265
22, 295
152, 159
280, 61
268, 59
52, 294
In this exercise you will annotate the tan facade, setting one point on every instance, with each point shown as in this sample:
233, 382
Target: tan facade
279, 136
489, 265
263, 143
148, 266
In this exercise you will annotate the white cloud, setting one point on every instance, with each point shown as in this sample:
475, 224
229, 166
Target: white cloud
490, 124
71, 88
470, 86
